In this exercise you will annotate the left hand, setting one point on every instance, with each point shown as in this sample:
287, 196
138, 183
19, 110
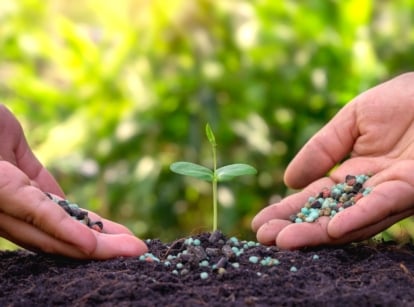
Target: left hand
30, 219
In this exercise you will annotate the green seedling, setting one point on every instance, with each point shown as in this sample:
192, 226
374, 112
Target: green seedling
214, 175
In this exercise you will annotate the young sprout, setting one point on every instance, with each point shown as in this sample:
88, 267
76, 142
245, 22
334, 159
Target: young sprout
214, 175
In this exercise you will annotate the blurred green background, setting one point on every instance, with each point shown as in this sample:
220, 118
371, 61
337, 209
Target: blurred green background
110, 93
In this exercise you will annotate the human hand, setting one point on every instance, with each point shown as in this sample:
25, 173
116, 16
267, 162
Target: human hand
376, 131
32, 220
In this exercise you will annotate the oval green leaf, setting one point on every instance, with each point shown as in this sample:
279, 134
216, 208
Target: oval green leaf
193, 170
228, 172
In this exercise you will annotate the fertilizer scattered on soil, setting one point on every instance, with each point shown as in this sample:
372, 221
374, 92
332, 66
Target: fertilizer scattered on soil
190, 253
351, 275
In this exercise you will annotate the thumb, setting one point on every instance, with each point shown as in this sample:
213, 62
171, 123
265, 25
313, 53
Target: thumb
325, 149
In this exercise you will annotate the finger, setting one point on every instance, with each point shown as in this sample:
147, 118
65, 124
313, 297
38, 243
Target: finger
267, 232
30, 205
295, 236
109, 226
367, 120
17, 151
116, 245
32, 167
324, 150
360, 165
289, 205
32, 238
298, 235
391, 197
282, 210
106, 246
393, 194
395, 170
389, 202
371, 230
287, 235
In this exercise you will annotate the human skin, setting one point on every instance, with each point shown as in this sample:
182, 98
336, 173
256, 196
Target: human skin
374, 133
32, 220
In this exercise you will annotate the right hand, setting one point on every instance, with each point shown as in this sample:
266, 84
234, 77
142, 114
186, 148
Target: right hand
376, 132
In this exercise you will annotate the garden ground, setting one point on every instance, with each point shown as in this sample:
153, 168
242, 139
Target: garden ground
212, 270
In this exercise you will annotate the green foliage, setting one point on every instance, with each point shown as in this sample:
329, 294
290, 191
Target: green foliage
229, 172
110, 93
193, 170
215, 175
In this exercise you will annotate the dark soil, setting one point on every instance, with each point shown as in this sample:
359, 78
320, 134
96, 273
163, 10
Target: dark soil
351, 275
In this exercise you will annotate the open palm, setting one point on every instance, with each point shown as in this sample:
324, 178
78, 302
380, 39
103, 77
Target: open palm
372, 134
30, 219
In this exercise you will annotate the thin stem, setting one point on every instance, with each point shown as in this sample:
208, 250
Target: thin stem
214, 205
213, 146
